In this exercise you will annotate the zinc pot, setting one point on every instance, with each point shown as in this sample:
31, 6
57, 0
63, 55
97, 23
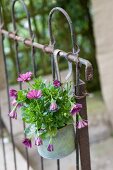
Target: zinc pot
63, 142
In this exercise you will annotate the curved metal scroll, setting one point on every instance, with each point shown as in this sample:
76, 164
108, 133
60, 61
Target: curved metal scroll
27, 14
52, 40
29, 29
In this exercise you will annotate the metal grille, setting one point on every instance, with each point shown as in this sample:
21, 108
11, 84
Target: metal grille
82, 138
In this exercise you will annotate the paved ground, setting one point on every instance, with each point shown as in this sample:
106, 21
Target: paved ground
102, 155
101, 158
21, 162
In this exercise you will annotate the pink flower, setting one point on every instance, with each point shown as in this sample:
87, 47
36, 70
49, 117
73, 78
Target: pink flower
38, 141
34, 94
27, 142
50, 148
53, 106
24, 77
13, 114
57, 83
82, 123
13, 93
14, 103
76, 108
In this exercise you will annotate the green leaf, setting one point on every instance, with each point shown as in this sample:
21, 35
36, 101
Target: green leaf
30, 130
21, 95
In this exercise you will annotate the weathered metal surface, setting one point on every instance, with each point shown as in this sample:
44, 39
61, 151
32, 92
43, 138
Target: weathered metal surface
83, 134
49, 49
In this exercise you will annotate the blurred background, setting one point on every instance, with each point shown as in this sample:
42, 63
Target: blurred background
93, 25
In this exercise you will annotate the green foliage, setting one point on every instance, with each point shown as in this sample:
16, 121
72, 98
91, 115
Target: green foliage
37, 113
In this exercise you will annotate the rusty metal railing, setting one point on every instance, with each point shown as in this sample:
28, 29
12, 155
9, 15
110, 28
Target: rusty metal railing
82, 137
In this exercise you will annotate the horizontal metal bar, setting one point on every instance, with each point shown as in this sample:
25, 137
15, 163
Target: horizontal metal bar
49, 49
27, 42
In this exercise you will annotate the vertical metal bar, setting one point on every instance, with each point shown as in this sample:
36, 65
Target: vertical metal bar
77, 147
9, 107
7, 89
42, 163
16, 43
83, 135
53, 66
3, 145
77, 132
58, 164
16, 52
33, 58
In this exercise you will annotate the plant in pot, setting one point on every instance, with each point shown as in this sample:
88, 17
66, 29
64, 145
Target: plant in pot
49, 110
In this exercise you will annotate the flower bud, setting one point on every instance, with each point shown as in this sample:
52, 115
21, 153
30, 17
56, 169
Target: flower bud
38, 141
50, 148
76, 108
27, 142
53, 106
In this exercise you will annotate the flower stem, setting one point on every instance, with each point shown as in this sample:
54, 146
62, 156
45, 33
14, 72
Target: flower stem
51, 140
30, 84
15, 107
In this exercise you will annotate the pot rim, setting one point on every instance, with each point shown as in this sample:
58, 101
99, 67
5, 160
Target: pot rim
60, 128
64, 126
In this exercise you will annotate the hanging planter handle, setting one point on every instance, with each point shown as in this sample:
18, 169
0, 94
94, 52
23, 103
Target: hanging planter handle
58, 77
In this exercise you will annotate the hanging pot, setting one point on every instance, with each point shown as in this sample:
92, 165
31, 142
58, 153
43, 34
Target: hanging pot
63, 142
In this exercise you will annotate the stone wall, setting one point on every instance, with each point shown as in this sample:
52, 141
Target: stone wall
102, 11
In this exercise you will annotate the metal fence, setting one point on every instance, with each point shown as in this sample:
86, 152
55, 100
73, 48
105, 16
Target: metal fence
82, 137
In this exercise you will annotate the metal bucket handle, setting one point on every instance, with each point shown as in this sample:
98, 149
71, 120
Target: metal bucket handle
55, 56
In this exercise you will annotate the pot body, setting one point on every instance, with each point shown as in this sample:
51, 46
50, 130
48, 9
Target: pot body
63, 142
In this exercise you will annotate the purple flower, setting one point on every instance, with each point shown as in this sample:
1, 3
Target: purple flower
24, 77
57, 83
13, 93
76, 108
38, 141
34, 94
53, 106
50, 148
82, 123
13, 114
14, 103
27, 142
